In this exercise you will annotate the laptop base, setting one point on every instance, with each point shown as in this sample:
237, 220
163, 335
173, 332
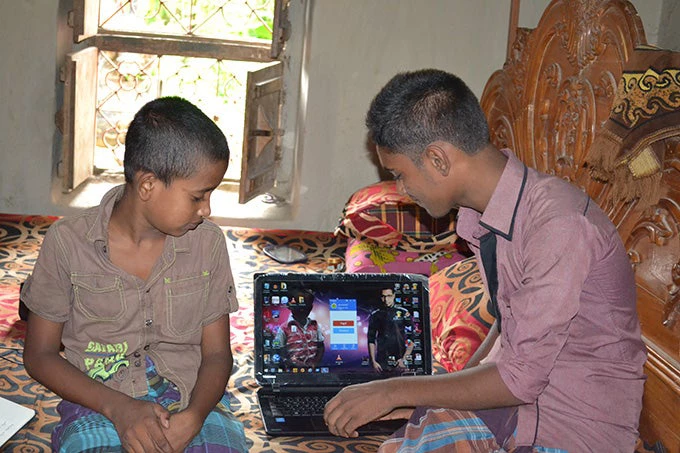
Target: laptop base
312, 425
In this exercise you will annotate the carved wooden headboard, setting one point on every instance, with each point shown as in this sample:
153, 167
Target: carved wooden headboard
560, 104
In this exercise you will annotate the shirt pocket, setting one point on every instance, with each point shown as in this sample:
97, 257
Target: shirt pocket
186, 297
99, 297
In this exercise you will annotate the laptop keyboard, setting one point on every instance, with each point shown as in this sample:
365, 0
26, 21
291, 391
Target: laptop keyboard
299, 405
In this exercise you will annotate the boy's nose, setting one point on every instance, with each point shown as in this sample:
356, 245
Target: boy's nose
204, 210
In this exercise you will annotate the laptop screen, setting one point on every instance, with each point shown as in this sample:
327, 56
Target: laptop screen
338, 329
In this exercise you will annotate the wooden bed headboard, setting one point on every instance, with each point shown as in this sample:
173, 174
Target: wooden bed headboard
583, 97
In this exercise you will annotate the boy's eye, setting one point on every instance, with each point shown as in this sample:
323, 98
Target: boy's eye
196, 199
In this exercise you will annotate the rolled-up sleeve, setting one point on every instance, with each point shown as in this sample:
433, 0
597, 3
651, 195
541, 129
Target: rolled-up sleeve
47, 292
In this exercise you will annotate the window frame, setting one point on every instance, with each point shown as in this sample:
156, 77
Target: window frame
78, 124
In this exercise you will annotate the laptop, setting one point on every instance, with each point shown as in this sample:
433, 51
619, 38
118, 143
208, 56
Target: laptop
13, 417
312, 339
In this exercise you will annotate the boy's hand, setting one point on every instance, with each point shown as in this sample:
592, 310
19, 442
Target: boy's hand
183, 427
140, 426
357, 405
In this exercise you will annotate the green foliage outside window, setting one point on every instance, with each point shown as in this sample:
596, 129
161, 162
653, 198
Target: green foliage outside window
226, 19
128, 80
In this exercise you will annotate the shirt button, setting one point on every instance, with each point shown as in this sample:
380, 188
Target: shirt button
137, 354
146, 348
148, 322
138, 363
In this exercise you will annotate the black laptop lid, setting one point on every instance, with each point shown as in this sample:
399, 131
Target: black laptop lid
335, 310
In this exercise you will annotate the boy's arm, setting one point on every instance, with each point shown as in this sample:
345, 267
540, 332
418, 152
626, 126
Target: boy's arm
213, 376
138, 423
479, 387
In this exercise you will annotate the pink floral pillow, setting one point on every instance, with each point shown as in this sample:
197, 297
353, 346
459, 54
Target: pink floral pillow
368, 256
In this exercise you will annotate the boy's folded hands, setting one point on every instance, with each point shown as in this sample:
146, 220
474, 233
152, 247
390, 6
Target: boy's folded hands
140, 426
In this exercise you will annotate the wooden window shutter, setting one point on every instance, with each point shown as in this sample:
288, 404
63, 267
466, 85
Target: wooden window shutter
80, 93
281, 25
262, 132
84, 18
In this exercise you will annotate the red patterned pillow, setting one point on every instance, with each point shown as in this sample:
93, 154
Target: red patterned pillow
380, 212
459, 312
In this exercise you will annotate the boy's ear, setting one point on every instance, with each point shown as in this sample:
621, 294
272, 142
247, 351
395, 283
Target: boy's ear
146, 182
437, 154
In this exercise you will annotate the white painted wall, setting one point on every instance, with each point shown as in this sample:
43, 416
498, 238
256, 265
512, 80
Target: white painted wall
28, 31
355, 47
669, 32
354, 52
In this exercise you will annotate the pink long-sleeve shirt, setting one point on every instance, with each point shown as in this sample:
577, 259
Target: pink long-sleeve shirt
570, 344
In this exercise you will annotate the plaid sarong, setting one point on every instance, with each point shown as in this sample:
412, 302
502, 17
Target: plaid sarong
431, 430
84, 430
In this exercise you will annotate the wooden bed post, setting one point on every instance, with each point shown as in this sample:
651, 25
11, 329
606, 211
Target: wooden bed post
512, 26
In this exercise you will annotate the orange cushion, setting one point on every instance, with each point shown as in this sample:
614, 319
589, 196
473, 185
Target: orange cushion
459, 310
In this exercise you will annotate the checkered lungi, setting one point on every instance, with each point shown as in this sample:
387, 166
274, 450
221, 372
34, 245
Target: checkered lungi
84, 430
431, 430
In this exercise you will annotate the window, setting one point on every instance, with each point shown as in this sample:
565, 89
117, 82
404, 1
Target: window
221, 55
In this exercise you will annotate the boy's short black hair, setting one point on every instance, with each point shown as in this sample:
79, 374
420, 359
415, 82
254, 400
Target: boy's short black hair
170, 137
417, 108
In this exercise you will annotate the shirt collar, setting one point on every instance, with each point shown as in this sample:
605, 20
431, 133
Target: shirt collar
99, 229
499, 215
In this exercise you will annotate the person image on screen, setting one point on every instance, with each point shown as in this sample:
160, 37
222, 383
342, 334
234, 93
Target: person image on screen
388, 346
301, 337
